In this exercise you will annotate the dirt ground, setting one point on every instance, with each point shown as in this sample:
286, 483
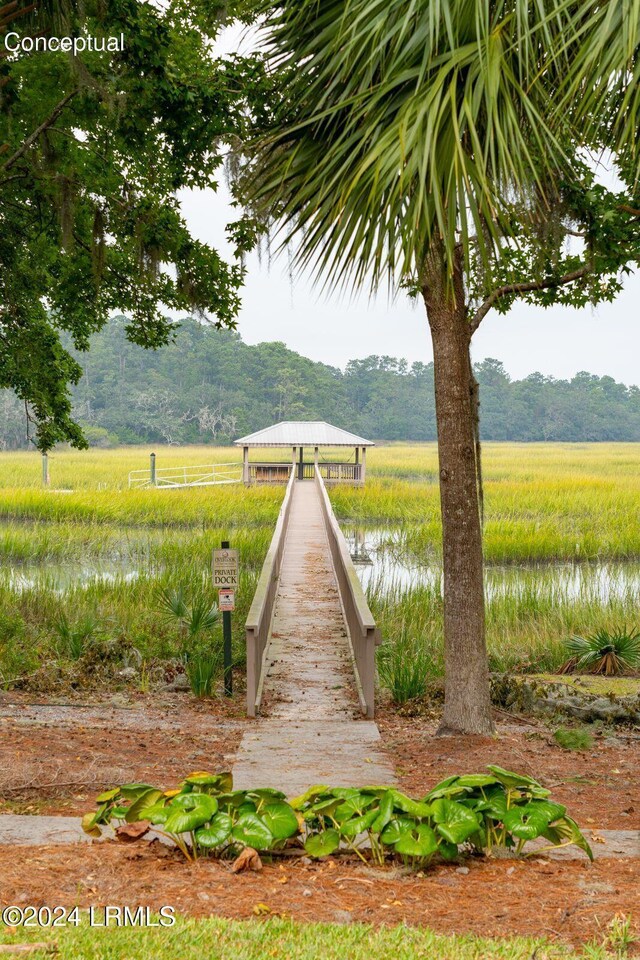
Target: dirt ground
571, 901
54, 758
600, 786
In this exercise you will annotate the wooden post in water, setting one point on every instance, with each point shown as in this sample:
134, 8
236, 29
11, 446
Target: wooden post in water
45, 470
363, 471
152, 462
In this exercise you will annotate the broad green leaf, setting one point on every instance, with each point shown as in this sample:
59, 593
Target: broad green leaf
251, 831
158, 813
476, 780
202, 779
193, 801
384, 812
353, 806
137, 809
526, 822
568, 830
345, 793
218, 831
517, 780
323, 808
357, 825
495, 803
131, 791
455, 822
310, 794
448, 851
108, 795
266, 793
247, 806
395, 829
322, 844
419, 842
189, 811
455, 786
413, 807
280, 819
185, 821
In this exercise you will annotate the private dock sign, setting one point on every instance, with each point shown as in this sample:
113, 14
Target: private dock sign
225, 569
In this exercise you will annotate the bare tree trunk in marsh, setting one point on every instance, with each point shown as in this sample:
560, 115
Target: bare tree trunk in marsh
467, 704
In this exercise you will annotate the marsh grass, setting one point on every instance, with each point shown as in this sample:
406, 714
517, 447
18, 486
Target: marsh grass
53, 545
545, 503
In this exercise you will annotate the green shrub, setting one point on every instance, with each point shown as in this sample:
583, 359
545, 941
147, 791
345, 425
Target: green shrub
404, 667
478, 812
604, 653
203, 665
573, 739
73, 638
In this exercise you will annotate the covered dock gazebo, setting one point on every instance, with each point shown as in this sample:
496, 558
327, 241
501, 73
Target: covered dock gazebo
299, 436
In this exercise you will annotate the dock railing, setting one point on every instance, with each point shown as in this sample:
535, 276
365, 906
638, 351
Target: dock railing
364, 636
200, 475
261, 612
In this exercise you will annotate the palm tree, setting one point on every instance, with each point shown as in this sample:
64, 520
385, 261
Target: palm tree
428, 144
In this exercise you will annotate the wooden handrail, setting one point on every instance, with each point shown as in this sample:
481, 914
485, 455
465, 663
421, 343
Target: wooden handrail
261, 611
364, 636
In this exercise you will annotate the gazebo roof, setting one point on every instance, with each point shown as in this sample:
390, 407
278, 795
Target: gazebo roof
303, 433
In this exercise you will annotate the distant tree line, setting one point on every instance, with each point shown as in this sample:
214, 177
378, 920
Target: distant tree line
210, 387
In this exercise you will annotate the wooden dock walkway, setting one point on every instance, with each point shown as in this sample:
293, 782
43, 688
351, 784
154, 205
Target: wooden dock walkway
311, 730
309, 668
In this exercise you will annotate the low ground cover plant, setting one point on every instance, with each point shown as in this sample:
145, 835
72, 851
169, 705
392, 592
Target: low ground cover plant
481, 813
605, 653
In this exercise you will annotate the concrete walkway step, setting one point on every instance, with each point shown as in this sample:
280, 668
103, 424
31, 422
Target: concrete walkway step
296, 754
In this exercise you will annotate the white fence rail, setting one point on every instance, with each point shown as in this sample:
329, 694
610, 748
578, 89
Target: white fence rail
202, 475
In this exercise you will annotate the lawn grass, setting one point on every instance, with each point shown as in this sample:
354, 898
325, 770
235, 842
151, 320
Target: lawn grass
256, 940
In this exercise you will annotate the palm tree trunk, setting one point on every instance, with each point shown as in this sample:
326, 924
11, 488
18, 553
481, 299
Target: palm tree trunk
467, 705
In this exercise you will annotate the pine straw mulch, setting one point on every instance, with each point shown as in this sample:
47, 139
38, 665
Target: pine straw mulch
570, 901
599, 786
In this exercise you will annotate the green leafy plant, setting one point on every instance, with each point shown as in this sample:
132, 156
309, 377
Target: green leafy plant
573, 739
621, 935
195, 620
476, 812
202, 665
404, 666
73, 638
604, 653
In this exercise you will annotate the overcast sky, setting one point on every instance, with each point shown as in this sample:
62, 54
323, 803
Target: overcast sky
334, 329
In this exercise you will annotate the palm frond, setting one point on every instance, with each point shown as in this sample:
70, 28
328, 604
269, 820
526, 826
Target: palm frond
409, 120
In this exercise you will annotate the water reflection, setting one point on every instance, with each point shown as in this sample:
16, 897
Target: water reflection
384, 567
62, 577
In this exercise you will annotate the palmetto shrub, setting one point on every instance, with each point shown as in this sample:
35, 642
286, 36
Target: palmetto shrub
196, 621
604, 653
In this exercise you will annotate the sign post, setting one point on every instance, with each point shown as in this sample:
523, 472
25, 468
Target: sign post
225, 578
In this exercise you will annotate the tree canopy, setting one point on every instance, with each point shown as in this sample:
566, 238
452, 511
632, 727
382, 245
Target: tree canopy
94, 148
